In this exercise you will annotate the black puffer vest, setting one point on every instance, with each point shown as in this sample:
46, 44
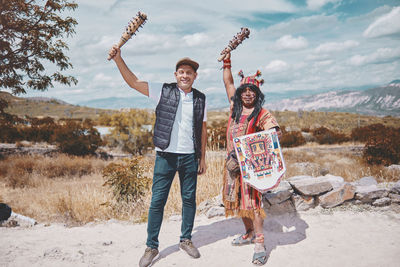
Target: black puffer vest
166, 112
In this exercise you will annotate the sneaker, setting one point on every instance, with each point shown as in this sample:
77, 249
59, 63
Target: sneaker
190, 249
150, 254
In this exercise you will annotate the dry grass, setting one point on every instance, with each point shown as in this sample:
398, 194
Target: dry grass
75, 199
27, 171
340, 160
78, 200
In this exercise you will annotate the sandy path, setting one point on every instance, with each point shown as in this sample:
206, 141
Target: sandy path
340, 238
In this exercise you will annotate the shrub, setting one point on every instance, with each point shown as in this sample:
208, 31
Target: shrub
132, 131
363, 134
75, 138
17, 171
383, 147
325, 136
127, 179
292, 139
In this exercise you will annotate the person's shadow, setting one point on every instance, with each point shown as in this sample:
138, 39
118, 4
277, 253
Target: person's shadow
279, 230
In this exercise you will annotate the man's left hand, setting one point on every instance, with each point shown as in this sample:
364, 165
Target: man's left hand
202, 167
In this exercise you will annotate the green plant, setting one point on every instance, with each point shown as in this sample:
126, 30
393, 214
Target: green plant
132, 131
127, 179
33, 36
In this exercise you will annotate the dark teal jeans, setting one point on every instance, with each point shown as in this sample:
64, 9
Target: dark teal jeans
165, 168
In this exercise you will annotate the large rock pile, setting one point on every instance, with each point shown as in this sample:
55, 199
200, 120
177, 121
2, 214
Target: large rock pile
301, 193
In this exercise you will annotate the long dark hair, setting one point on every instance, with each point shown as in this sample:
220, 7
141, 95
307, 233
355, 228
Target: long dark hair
238, 104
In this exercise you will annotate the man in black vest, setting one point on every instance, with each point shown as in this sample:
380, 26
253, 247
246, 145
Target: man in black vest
180, 135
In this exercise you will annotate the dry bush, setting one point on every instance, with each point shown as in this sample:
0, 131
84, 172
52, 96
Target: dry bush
363, 134
127, 179
20, 171
291, 139
325, 136
79, 200
341, 161
76, 138
383, 148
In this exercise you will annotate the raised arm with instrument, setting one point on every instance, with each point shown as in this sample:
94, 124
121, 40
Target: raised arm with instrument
115, 54
226, 57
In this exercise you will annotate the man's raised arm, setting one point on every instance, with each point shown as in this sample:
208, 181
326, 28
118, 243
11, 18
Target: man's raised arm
129, 77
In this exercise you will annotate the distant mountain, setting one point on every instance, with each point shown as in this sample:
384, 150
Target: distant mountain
44, 106
378, 101
119, 102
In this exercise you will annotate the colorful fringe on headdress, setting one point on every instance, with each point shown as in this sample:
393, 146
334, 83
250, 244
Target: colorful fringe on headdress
251, 79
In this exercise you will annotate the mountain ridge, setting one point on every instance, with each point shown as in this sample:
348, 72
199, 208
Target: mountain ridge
380, 101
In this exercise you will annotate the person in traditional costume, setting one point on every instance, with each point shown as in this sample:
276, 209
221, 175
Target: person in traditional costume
246, 116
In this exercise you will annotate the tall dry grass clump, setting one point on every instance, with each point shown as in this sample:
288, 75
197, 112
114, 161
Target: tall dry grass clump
21, 171
78, 197
345, 161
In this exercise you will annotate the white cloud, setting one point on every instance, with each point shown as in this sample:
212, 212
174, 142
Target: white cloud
317, 4
196, 39
335, 47
276, 66
323, 63
307, 24
292, 43
385, 25
382, 55
101, 77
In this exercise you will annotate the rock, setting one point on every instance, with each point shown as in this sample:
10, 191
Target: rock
204, 206
308, 137
18, 220
279, 209
277, 197
366, 181
5, 211
215, 211
305, 167
311, 186
381, 202
337, 196
279, 194
292, 129
299, 177
395, 198
367, 194
396, 188
283, 185
303, 203
336, 181
393, 167
323, 171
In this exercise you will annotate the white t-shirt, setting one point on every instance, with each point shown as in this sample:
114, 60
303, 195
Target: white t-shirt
182, 130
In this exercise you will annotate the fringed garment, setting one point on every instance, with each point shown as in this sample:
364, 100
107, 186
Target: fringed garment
239, 198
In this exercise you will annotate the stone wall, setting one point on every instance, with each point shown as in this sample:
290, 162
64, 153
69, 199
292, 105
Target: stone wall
301, 193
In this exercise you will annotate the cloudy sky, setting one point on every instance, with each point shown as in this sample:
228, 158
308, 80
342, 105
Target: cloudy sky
297, 44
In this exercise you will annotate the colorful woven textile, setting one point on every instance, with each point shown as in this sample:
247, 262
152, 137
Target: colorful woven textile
239, 198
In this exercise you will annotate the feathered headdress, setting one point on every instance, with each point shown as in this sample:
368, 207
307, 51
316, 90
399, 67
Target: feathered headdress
251, 79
